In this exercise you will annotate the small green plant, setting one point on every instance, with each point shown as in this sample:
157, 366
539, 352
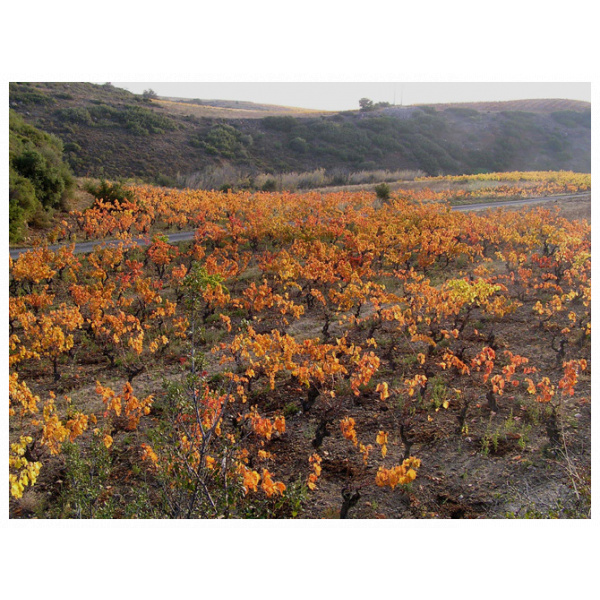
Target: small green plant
509, 431
86, 494
439, 392
290, 504
383, 191
291, 409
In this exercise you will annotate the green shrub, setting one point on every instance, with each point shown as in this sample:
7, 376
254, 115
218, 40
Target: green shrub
39, 180
224, 140
299, 144
571, 118
143, 121
270, 185
25, 93
109, 192
75, 114
383, 191
23, 205
280, 123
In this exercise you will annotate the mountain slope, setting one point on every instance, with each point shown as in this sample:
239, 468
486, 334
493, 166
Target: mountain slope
113, 133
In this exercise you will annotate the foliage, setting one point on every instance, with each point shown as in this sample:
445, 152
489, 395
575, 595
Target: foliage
224, 140
110, 193
135, 119
149, 94
39, 180
333, 303
27, 94
383, 191
365, 104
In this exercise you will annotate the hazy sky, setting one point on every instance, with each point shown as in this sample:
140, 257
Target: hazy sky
345, 96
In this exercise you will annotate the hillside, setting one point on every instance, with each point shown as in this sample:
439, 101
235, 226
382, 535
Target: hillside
113, 133
546, 105
230, 109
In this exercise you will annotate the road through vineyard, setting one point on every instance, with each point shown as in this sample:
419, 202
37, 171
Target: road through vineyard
184, 236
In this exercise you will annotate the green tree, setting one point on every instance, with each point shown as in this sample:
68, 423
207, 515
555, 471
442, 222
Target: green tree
365, 104
39, 180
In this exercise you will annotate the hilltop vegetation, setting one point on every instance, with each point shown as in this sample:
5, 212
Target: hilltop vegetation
109, 132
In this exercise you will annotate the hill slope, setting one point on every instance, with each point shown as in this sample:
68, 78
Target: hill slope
113, 133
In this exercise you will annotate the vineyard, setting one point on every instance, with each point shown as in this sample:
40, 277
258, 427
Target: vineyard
317, 355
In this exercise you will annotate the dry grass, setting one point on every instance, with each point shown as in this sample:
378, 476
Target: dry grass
217, 112
576, 209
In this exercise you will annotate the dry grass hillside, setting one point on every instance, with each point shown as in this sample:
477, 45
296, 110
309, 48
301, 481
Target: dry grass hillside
220, 109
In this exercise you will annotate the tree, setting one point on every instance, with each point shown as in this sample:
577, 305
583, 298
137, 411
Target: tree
365, 104
39, 179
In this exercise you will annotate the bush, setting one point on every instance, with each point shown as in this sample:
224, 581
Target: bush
224, 140
143, 121
280, 123
75, 114
23, 205
383, 191
39, 180
299, 144
366, 104
109, 192
570, 118
25, 93
270, 185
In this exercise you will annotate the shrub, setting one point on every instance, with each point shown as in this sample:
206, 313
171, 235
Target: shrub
23, 205
570, 118
109, 192
270, 185
224, 140
75, 114
149, 94
383, 191
39, 180
25, 93
280, 123
299, 144
143, 121
366, 104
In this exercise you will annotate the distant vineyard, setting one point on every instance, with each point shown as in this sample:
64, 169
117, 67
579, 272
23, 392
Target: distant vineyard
572, 182
159, 210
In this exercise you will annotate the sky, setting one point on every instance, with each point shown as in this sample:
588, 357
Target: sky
345, 95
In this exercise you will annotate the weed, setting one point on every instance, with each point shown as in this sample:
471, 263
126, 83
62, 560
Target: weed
291, 409
86, 494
